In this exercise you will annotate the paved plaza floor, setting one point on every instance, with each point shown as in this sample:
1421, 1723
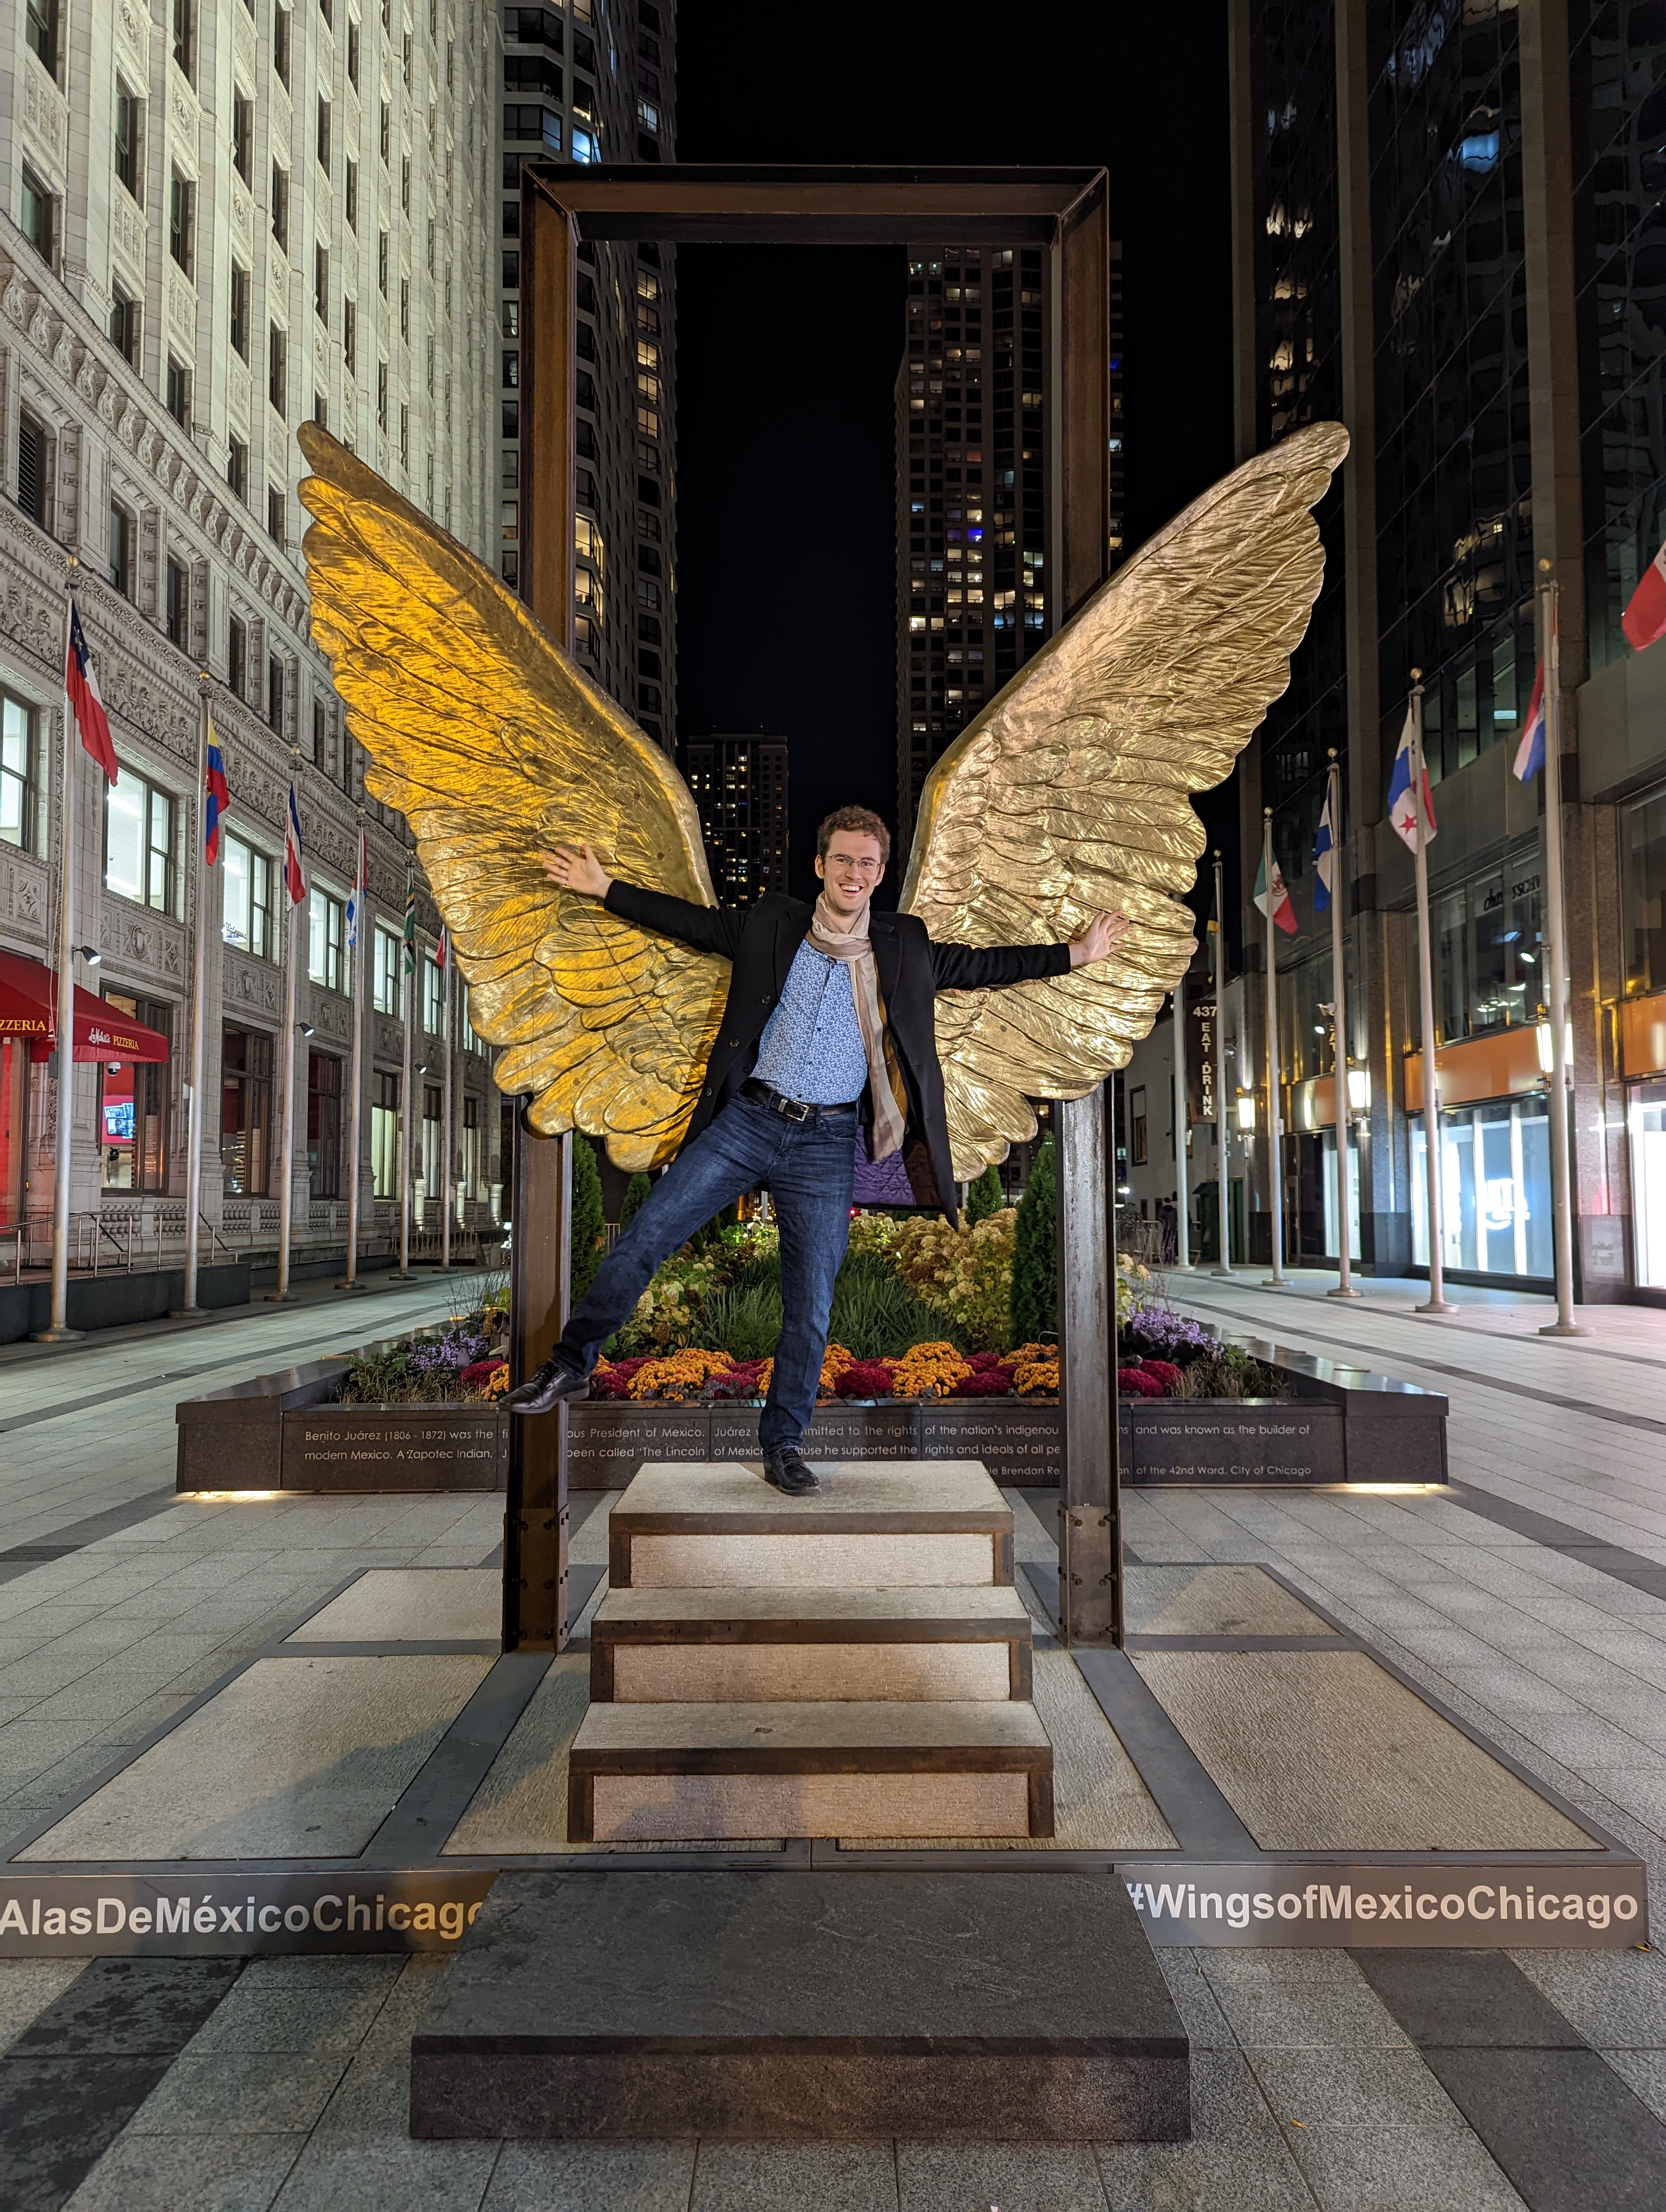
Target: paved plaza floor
1530, 1598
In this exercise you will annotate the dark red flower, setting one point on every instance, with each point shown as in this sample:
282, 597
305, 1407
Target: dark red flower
995, 1382
481, 1371
1166, 1373
1135, 1382
867, 1378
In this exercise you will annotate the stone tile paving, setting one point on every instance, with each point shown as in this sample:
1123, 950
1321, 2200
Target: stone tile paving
1307, 2093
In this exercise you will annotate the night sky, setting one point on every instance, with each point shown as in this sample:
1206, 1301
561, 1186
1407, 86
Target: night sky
786, 358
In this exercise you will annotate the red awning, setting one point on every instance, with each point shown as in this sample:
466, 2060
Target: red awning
28, 999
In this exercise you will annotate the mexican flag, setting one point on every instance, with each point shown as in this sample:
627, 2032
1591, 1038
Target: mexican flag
1275, 903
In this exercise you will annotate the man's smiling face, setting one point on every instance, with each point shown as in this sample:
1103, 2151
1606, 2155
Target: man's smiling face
853, 865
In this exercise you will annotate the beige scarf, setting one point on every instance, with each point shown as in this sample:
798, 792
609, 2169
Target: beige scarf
885, 1073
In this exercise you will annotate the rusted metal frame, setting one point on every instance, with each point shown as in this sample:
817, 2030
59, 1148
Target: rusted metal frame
1090, 1550
1068, 209
535, 1526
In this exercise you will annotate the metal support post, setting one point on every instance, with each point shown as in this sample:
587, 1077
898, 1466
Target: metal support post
1090, 1523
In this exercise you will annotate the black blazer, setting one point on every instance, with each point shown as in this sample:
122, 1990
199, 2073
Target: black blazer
760, 942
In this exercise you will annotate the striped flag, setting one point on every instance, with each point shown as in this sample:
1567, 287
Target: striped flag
442, 950
1645, 618
410, 922
217, 800
1530, 752
81, 685
295, 860
1276, 903
356, 897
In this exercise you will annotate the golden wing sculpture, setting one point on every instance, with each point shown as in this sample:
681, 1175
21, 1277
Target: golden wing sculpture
494, 744
1071, 793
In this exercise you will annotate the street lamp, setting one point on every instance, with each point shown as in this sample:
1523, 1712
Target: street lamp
1247, 1113
1359, 1092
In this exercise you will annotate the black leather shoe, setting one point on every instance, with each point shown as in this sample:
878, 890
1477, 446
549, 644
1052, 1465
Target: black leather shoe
788, 1473
543, 1392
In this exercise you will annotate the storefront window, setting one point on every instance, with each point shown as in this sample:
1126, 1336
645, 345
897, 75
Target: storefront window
1645, 846
1489, 936
14, 1113
433, 1182
1494, 1188
245, 1112
470, 1185
323, 1124
133, 1106
384, 1135
1328, 1145
1648, 1121
245, 918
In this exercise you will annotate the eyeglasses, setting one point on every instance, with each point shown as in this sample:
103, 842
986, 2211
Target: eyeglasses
849, 861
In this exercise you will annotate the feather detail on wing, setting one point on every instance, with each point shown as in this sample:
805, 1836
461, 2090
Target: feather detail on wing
495, 745
1071, 793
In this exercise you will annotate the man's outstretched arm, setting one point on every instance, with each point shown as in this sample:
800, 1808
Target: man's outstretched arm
994, 967
708, 929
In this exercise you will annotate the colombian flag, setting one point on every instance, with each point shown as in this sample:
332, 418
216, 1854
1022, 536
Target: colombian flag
216, 800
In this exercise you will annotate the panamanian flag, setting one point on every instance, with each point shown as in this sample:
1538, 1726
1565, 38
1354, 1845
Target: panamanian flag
1402, 807
356, 897
81, 685
217, 800
1277, 902
295, 860
1645, 618
1530, 752
1324, 852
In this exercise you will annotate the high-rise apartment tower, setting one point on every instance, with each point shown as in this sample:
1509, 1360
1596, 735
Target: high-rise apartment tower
739, 785
591, 82
971, 488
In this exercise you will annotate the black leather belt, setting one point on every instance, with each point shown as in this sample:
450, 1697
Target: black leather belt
790, 1109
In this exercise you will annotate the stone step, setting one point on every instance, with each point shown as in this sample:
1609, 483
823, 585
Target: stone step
761, 1646
683, 1773
947, 2007
891, 1524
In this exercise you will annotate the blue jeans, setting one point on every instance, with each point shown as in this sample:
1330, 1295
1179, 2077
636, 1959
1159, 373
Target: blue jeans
807, 1166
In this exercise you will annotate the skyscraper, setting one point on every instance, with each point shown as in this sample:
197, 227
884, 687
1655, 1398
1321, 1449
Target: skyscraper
587, 84
222, 220
739, 785
1440, 218
971, 488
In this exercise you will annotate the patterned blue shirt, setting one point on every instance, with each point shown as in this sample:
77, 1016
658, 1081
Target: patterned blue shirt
812, 1047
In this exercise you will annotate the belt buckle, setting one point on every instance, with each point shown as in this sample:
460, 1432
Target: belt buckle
796, 1110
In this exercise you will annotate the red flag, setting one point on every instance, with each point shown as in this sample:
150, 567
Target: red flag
295, 862
217, 800
1645, 618
82, 686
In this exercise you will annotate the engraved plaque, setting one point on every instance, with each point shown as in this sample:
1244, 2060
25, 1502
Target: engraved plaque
393, 1448
607, 1443
1017, 1441
1224, 1440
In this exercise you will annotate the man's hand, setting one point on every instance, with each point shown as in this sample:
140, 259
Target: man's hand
580, 872
1099, 939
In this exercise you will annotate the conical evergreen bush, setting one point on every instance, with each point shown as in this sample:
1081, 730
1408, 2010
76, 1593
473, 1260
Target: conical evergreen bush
588, 1232
1035, 1308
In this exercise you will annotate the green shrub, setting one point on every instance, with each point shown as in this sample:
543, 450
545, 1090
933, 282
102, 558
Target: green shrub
1036, 1253
877, 1316
589, 1232
984, 1197
635, 1193
743, 1320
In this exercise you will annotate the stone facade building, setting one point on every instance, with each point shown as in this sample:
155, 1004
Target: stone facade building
221, 218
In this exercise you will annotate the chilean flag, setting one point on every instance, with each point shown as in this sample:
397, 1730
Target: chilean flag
1402, 805
83, 687
1645, 618
294, 861
216, 800
1530, 752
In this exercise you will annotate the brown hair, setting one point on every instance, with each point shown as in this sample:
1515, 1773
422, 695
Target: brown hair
862, 819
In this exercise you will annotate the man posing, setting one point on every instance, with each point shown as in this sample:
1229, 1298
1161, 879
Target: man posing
828, 1026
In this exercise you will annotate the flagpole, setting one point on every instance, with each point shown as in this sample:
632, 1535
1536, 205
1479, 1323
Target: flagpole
408, 960
1277, 1280
357, 1077
1437, 1302
444, 1140
1561, 1179
199, 972
58, 1330
286, 1166
1182, 1242
1339, 995
1223, 1181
